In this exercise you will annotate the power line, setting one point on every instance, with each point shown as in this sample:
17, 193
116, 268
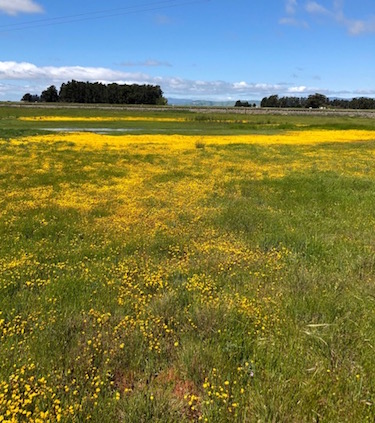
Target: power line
102, 14
86, 14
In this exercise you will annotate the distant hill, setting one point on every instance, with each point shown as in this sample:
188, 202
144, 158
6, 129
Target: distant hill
206, 103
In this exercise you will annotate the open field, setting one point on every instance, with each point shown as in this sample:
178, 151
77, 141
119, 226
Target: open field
176, 266
367, 113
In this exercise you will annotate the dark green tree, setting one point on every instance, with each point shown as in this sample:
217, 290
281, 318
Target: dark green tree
50, 95
316, 100
87, 92
240, 103
30, 98
271, 101
26, 97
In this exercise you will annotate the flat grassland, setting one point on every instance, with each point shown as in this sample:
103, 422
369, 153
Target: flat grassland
184, 267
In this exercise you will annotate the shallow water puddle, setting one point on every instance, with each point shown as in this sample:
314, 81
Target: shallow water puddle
95, 130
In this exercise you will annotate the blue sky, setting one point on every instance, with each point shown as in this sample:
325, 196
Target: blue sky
198, 49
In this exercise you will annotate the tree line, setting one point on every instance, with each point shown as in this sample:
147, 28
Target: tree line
96, 92
240, 103
317, 100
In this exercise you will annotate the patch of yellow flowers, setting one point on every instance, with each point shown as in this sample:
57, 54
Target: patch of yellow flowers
183, 142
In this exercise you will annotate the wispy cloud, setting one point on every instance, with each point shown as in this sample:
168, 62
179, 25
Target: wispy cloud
22, 77
336, 13
14, 7
3, 89
162, 19
357, 26
314, 7
291, 6
291, 21
291, 18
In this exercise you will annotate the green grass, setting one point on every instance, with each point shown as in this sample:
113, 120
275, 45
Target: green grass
196, 123
145, 285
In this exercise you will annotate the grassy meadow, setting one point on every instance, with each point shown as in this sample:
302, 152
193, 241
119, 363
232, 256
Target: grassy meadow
183, 267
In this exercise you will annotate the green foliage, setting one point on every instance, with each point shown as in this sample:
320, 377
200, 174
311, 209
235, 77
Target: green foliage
30, 98
316, 101
86, 92
240, 103
50, 95
90, 93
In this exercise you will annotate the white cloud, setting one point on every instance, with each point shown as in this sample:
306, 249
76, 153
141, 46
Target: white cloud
299, 90
29, 75
17, 78
14, 7
29, 71
240, 85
